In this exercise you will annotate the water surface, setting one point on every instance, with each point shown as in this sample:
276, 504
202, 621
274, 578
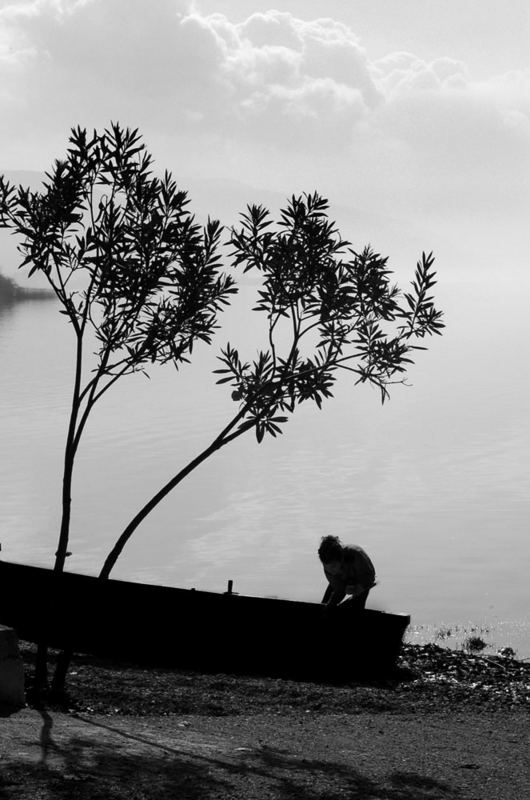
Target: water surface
434, 484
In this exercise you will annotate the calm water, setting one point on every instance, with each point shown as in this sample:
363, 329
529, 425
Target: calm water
435, 484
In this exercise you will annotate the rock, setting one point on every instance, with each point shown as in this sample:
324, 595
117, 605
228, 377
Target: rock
11, 670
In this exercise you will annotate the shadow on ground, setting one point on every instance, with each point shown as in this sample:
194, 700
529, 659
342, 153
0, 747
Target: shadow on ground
89, 768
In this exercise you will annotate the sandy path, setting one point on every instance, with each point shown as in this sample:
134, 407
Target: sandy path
473, 756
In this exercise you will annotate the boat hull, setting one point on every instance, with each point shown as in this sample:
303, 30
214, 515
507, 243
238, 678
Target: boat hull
163, 625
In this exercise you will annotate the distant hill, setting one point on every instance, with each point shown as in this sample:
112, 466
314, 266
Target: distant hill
9, 256
11, 293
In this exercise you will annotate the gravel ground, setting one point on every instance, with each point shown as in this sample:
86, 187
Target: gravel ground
367, 756
445, 725
428, 677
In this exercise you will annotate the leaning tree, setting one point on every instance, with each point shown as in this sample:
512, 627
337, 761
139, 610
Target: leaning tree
327, 309
152, 287
137, 278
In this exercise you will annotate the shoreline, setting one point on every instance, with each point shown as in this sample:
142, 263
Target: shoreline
496, 635
425, 675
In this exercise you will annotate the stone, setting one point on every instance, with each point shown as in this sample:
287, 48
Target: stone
11, 670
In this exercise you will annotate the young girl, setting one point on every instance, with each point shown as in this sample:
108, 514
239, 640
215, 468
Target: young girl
349, 571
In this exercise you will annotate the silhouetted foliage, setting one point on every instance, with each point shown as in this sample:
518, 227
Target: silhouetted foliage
127, 261
338, 310
336, 303
125, 258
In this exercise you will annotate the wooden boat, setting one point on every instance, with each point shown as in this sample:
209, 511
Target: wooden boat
162, 625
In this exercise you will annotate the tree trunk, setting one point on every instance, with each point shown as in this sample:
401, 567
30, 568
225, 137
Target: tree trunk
54, 604
220, 441
61, 670
114, 554
56, 601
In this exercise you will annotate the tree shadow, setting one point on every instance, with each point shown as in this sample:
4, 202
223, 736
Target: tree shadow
137, 768
316, 779
89, 768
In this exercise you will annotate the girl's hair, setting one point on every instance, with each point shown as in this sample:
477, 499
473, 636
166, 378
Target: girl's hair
330, 549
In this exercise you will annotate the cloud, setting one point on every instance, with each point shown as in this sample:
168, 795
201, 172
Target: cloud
467, 143
273, 97
288, 81
93, 61
401, 72
264, 77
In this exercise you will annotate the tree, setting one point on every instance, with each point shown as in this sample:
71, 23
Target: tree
153, 287
341, 310
129, 266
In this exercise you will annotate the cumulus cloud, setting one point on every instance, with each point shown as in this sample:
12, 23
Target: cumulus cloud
92, 61
403, 72
285, 77
273, 93
262, 76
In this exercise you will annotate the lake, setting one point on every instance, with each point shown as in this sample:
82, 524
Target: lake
434, 484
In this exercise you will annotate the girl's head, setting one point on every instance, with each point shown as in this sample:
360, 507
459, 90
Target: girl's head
330, 550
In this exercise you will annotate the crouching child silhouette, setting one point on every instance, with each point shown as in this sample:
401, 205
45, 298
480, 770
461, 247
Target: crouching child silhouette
350, 574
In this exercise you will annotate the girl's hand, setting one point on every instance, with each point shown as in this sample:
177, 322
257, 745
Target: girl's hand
354, 589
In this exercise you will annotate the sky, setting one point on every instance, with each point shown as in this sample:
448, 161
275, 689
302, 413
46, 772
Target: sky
417, 110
